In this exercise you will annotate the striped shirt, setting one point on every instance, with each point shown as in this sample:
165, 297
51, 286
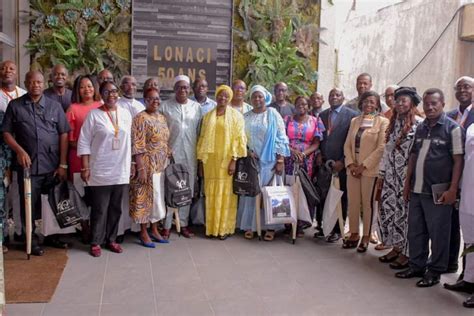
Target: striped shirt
434, 148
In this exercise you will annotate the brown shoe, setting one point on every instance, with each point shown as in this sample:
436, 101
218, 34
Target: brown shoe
114, 247
186, 232
165, 233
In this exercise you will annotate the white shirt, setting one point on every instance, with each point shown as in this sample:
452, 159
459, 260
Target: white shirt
132, 105
108, 166
6, 98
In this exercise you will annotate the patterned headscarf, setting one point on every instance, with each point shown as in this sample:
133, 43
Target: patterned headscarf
226, 89
267, 95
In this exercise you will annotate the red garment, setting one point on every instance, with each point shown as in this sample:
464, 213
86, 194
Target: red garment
76, 115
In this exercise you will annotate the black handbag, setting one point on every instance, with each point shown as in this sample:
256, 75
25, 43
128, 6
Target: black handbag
246, 180
178, 191
312, 195
66, 204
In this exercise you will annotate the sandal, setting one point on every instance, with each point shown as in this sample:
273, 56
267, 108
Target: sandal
381, 246
248, 234
400, 263
364, 244
350, 244
269, 235
389, 257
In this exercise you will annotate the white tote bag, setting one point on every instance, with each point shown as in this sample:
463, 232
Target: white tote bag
279, 204
332, 207
300, 201
159, 208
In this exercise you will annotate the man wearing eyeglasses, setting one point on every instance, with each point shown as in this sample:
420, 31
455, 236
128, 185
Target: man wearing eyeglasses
35, 128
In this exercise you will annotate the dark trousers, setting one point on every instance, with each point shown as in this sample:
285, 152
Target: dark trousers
40, 184
106, 209
428, 222
455, 241
342, 187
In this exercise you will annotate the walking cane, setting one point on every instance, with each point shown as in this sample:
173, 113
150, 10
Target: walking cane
28, 217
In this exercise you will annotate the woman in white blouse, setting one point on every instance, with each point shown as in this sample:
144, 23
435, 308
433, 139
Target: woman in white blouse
105, 149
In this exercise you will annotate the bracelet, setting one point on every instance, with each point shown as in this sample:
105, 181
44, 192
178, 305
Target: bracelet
63, 166
134, 163
140, 169
234, 158
85, 169
280, 160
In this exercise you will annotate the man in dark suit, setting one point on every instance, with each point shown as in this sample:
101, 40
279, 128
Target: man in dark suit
337, 120
464, 116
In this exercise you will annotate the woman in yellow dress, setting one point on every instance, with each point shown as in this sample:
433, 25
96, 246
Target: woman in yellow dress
221, 143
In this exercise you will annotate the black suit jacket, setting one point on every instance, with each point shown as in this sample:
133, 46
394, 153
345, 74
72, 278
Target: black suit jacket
470, 117
332, 146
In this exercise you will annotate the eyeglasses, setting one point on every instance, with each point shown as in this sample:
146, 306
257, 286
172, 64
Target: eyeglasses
110, 92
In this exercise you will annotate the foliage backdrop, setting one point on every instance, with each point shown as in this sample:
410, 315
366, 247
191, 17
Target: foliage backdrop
277, 40
84, 35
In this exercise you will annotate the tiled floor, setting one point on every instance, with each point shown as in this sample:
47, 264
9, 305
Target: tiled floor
238, 277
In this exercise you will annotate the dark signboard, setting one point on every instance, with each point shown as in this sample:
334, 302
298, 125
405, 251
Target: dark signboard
169, 58
191, 37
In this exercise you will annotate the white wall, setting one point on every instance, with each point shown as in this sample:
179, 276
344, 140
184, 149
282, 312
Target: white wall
389, 41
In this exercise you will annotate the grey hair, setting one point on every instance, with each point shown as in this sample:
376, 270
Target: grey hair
470, 80
393, 86
127, 77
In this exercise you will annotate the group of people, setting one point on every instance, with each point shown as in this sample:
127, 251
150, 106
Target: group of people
101, 135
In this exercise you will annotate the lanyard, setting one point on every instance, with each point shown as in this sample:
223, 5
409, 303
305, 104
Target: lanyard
461, 118
116, 126
9, 95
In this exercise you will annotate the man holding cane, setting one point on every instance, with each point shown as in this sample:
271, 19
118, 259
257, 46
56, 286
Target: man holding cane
36, 128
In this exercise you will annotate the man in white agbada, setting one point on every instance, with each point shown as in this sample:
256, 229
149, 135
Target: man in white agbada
183, 116
128, 86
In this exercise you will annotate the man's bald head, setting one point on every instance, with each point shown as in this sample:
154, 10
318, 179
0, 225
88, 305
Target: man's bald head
34, 83
105, 76
336, 97
8, 73
59, 75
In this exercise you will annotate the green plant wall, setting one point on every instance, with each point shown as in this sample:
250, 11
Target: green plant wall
260, 25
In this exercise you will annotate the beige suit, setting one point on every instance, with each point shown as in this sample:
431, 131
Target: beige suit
361, 191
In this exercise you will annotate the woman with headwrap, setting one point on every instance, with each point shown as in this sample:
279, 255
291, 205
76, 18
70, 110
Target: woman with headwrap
393, 219
267, 141
363, 151
221, 143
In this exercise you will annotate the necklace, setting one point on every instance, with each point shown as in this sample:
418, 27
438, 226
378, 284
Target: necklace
9, 95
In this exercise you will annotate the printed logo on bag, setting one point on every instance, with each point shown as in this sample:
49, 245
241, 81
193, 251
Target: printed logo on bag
242, 176
64, 206
181, 184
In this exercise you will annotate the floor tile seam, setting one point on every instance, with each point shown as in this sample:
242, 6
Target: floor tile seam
197, 272
153, 284
103, 284
42, 309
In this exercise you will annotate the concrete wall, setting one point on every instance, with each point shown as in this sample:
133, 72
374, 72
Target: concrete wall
389, 42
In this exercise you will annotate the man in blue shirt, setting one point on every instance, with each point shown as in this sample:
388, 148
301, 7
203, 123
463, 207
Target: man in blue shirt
200, 89
36, 129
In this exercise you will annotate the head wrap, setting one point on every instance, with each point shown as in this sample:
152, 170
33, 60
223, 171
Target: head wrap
408, 91
181, 78
267, 95
226, 89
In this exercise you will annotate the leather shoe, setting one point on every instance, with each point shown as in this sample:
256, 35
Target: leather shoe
114, 247
469, 303
37, 251
460, 286
333, 237
186, 232
55, 243
409, 273
165, 233
429, 279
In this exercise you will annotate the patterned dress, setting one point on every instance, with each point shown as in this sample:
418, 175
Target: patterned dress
5, 161
301, 136
149, 137
393, 220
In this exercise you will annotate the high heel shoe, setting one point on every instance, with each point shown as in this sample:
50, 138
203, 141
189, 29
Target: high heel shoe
146, 244
159, 240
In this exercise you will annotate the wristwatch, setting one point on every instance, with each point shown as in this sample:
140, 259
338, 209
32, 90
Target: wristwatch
63, 166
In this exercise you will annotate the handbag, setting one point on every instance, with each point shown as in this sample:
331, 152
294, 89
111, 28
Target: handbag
246, 180
178, 191
279, 203
66, 204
